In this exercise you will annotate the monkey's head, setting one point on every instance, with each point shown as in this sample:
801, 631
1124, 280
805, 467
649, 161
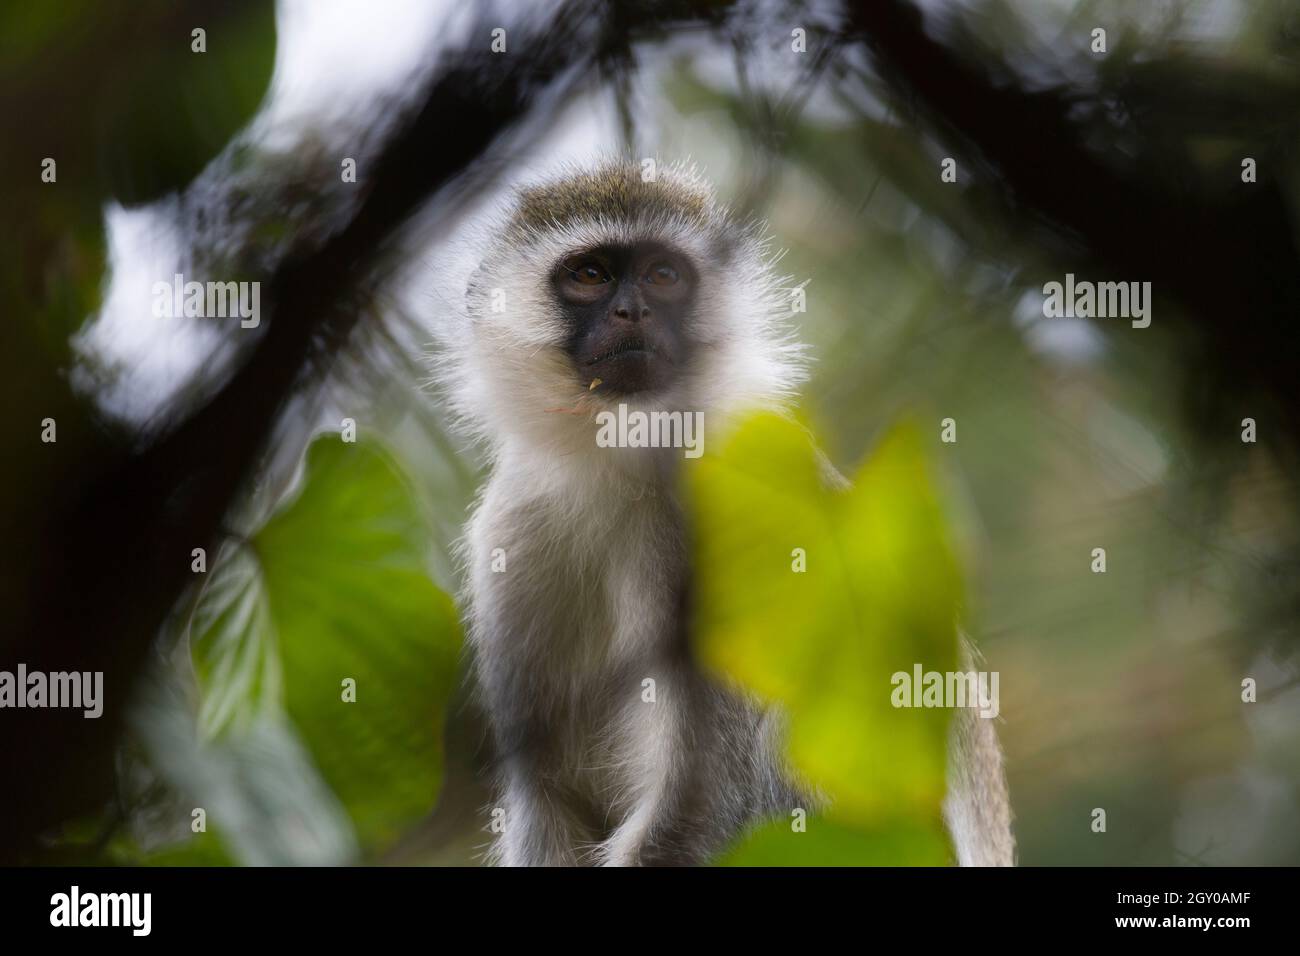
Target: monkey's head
620, 285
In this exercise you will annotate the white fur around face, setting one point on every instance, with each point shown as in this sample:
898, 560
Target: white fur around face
511, 382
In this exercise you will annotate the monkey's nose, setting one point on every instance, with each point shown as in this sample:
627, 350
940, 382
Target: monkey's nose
633, 314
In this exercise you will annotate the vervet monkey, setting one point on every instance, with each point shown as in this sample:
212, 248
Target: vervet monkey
613, 746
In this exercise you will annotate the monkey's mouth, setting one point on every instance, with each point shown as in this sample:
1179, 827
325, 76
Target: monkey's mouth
632, 363
631, 347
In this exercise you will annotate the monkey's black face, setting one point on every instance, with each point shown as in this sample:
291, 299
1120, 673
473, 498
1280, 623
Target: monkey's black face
627, 308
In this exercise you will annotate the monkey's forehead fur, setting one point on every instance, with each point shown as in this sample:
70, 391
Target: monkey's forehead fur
676, 199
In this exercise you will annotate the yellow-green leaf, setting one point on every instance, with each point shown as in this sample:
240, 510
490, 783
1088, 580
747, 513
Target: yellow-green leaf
877, 595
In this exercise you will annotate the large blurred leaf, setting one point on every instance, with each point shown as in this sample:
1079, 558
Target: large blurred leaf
335, 587
879, 594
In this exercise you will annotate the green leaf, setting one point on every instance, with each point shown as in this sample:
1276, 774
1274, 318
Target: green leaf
879, 594
335, 587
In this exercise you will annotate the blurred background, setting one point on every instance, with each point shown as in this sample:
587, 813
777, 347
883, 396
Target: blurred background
323, 558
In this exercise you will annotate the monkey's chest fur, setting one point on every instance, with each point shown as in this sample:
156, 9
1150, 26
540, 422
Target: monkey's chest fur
612, 746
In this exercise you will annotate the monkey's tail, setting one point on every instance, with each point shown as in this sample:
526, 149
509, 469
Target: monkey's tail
977, 807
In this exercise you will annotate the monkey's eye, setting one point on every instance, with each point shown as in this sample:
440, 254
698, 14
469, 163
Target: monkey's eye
662, 273
586, 271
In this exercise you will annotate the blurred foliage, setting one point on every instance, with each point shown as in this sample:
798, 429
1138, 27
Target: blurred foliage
149, 129
334, 586
878, 593
129, 113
